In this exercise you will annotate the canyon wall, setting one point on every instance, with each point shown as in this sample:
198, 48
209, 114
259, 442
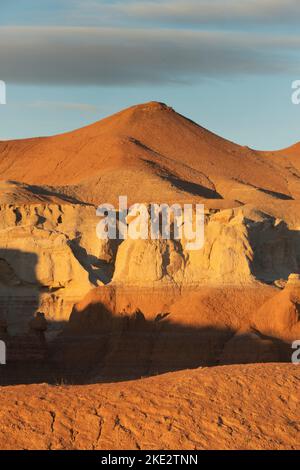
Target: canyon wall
51, 257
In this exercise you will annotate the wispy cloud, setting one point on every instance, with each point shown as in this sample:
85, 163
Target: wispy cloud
65, 105
116, 56
208, 12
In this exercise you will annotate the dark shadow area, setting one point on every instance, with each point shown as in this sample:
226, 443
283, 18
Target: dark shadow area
97, 269
101, 345
8, 275
19, 297
19, 301
98, 346
192, 188
195, 189
276, 250
49, 191
276, 194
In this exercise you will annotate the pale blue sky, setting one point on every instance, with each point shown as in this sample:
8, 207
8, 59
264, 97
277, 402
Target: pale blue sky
227, 64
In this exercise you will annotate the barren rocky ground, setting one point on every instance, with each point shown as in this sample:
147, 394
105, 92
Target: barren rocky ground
229, 407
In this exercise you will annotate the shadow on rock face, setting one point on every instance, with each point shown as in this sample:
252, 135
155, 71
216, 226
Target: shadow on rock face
19, 287
275, 248
280, 315
102, 344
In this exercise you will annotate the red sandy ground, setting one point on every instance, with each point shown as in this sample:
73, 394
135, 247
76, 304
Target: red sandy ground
229, 407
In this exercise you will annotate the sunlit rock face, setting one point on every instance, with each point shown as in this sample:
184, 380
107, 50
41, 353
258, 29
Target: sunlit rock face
48, 256
51, 256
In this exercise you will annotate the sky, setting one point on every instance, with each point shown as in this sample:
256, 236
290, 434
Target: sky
227, 64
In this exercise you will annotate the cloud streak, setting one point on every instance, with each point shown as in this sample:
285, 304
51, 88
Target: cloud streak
65, 105
116, 56
192, 12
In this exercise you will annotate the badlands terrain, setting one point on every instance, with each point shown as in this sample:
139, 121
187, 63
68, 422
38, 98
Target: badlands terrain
143, 343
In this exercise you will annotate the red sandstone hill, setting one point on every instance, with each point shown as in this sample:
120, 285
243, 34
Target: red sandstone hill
150, 151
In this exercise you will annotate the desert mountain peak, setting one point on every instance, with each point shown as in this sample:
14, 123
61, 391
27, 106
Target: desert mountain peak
154, 105
152, 144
